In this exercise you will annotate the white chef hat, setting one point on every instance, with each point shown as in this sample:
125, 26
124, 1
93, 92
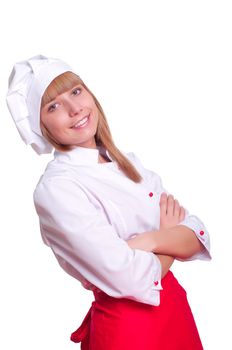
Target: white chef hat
27, 84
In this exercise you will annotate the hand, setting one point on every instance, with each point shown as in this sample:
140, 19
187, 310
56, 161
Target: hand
171, 213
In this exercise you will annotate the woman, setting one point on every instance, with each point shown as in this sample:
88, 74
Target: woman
108, 220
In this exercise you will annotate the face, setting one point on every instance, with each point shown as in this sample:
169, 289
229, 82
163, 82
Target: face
72, 118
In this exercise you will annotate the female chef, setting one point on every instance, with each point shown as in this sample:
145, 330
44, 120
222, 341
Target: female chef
108, 220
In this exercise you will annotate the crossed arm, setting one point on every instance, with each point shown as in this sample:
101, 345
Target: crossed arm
171, 240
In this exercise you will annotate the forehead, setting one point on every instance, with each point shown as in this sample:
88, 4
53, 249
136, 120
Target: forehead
60, 85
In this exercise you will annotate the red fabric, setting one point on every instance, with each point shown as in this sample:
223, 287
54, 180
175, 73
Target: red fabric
123, 324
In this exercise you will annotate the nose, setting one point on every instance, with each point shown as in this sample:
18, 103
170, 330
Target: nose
74, 108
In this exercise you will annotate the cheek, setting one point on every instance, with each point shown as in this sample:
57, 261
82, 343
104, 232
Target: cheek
96, 111
43, 118
54, 126
96, 117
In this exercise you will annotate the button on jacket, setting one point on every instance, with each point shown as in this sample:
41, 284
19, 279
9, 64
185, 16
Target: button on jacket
88, 210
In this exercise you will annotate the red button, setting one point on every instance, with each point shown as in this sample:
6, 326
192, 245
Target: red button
156, 283
150, 194
202, 233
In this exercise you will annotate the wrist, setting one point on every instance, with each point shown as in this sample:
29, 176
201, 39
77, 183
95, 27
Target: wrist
145, 241
166, 262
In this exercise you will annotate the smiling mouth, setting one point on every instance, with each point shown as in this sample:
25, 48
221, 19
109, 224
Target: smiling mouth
82, 123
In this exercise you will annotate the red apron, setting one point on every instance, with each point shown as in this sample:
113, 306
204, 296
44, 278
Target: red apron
123, 324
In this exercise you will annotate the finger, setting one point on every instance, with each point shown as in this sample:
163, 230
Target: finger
163, 204
182, 214
170, 205
176, 208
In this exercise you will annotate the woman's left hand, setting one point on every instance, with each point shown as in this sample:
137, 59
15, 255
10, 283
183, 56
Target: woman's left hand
171, 213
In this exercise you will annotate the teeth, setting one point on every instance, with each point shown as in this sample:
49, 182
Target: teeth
81, 122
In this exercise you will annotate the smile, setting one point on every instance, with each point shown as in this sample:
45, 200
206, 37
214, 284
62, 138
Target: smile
82, 123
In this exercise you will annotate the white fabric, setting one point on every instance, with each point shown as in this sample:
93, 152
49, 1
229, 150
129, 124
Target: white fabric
88, 209
27, 83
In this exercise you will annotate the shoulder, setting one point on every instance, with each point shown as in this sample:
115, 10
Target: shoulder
147, 174
54, 172
134, 159
58, 184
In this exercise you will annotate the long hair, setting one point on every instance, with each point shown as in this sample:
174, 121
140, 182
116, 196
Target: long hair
103, 137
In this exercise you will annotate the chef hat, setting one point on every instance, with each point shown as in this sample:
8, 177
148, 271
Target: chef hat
27, 84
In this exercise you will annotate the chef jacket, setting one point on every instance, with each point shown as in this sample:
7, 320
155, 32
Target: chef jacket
87, 211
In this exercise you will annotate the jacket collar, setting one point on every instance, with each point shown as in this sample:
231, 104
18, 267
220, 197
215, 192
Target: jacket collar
82, 155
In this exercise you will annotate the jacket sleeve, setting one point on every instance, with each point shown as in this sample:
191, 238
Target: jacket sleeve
191, 221
87, 246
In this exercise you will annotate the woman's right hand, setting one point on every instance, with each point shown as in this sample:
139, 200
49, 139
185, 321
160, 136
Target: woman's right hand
171, 213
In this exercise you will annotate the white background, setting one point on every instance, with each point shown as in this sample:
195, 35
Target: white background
162, 72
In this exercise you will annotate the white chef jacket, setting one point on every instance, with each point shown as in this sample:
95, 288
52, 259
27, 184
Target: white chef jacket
88, 210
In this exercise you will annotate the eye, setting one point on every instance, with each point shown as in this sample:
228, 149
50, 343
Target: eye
52, 107
76, 91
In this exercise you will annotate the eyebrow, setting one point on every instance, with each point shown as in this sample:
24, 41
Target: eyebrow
54, 99
50, 102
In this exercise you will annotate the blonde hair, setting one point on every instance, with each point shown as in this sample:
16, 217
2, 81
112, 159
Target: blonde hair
103, 137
